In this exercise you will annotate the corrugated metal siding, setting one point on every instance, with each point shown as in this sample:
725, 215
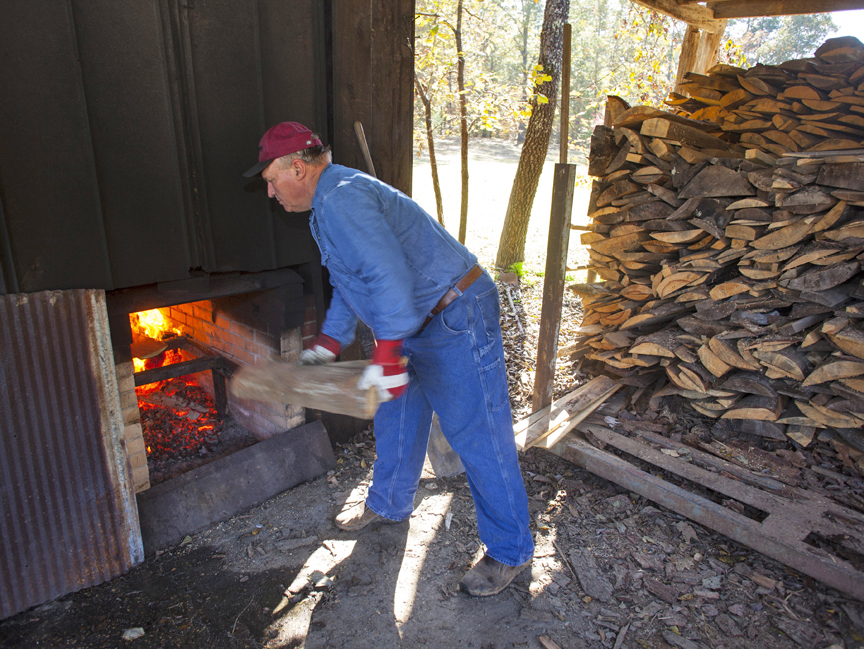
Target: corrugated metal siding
67, 513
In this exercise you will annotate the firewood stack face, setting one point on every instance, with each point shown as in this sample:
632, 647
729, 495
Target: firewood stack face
731, 239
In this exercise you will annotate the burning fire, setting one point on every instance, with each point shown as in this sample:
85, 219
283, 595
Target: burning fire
178, 417
151, 324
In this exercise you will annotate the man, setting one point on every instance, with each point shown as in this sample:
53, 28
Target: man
435, 316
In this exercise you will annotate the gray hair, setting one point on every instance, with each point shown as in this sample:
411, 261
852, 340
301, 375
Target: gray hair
315, 155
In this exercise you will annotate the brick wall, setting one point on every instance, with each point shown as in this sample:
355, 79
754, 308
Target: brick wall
242, 334
310, 323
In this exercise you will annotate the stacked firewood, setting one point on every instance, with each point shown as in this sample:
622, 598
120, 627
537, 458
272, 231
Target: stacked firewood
731, 238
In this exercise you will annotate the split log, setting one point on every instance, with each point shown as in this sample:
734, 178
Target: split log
743, 226
331, 387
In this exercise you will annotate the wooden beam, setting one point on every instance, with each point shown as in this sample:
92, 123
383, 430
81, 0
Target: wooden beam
696, 15
754, 8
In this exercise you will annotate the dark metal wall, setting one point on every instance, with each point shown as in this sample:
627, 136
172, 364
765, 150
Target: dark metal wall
67, 512
125, 128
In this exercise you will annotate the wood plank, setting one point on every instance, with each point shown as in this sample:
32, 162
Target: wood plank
717, 181
331, 387
771, 537
563, 410
848, 175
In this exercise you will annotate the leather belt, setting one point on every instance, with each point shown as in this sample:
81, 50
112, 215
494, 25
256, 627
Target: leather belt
462, 285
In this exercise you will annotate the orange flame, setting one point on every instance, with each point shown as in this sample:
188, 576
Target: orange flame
152, 324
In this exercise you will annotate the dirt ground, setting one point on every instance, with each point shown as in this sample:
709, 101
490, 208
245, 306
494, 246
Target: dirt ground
611, 569
282, 575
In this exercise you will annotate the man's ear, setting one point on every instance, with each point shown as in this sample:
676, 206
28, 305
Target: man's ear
298, 167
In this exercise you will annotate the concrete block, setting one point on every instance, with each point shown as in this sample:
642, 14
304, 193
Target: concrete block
124, 371
128, 399
216, 491
133, 431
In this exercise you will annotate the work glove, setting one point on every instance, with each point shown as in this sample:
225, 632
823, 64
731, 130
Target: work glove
387, 371
323, 350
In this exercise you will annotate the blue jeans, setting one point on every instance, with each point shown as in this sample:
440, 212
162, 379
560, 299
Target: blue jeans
456, 365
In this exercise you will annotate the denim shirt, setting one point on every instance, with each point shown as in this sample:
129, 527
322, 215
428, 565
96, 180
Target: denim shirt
389, 261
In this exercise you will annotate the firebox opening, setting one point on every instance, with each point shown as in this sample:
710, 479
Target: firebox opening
184, 416
177, 411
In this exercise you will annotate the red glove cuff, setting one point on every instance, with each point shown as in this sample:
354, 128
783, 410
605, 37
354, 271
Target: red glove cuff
388, 354
328, 343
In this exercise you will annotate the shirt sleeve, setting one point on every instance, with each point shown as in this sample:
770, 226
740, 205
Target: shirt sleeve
356, 224
340, 323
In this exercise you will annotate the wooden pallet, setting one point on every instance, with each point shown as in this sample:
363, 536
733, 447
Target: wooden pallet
793, 514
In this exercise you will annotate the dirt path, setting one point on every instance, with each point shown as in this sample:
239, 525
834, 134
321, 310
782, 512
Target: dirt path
491, 166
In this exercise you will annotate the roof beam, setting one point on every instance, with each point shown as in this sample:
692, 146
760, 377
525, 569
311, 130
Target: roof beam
758, 8
692, 14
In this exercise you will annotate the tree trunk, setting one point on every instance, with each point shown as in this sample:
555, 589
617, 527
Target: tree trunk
433, 163
463, 125
511, 247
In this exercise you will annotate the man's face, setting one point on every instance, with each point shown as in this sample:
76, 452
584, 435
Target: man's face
286, 185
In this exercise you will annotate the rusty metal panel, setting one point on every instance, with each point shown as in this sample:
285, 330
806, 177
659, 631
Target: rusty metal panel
67, 510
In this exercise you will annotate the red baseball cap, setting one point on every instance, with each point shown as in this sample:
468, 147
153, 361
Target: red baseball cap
280, 140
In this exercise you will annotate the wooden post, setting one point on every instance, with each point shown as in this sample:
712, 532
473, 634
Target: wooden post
565, 97
689, 53
556, 249
553, 283
698, 51
709, 43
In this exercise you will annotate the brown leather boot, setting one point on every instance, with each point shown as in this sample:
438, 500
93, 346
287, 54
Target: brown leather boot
489, 577
357, 517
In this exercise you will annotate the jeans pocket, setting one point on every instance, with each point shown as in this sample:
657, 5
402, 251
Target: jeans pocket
494, 380
457, 317
490, 317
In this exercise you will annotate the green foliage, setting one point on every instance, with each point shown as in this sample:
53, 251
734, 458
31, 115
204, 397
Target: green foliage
618, 48
518, 268
774, 39
527, 276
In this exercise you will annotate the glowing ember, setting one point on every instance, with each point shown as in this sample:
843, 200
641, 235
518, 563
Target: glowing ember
178, 419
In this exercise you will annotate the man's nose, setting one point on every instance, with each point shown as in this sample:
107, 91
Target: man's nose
270, 191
